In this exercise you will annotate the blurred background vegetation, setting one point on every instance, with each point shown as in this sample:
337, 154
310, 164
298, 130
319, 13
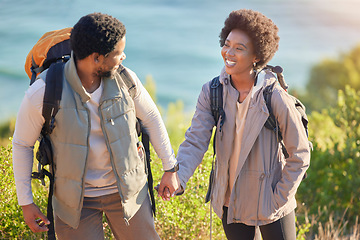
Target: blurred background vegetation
328, 199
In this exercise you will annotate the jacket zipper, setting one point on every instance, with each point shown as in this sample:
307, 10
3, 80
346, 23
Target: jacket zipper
262, 176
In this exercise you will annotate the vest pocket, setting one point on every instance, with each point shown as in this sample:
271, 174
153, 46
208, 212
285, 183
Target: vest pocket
119, 117
68, 192
131, 182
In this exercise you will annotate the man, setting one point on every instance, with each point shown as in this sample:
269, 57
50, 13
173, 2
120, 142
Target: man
97, 167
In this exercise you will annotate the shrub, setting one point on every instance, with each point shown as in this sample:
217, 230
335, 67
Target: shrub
12, 225
333, 182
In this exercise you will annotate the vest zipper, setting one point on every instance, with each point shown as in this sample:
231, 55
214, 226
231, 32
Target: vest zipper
110, 153
87, 153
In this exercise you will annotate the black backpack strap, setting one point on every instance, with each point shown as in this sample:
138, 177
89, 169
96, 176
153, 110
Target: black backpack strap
51, 104
216, 101
271, 122
146, 142
216, 105
127, 80
52, 95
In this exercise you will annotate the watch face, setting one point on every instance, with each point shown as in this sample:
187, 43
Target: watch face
174, 169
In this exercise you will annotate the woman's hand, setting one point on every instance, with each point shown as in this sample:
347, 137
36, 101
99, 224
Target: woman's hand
169, 185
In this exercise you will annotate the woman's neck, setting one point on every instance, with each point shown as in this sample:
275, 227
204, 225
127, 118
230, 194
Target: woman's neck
243, 84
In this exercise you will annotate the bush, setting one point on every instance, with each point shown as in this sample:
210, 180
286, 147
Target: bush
12, 225
333, 183
6, 131
331, 75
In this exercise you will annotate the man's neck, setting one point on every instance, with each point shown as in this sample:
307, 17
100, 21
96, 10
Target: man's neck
89, 81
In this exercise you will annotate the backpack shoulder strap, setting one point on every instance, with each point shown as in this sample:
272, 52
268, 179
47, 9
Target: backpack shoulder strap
216, 105
51, 104
271, 122
52, 95
128, 81
216, 98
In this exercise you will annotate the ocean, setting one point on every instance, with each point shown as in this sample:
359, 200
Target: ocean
176, 42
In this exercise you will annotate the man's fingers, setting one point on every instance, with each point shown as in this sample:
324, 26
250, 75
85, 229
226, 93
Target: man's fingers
167, 193
163, 192
38, 226
34, 218
44, 218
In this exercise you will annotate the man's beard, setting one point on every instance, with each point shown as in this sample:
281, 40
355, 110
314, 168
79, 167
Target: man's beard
105, 74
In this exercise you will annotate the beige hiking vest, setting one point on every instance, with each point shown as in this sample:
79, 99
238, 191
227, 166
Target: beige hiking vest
70, 145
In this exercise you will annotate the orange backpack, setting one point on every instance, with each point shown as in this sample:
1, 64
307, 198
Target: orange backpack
51, 47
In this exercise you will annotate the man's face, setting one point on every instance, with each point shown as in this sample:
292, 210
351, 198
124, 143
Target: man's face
112, 61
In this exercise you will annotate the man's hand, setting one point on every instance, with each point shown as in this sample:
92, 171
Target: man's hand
34, 218
169, 185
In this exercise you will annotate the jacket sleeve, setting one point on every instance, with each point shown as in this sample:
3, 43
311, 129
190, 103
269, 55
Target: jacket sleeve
296, 143
197, 137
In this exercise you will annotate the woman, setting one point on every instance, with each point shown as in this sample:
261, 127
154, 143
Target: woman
254, 185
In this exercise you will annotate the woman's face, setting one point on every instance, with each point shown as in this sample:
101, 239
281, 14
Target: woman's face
238, 53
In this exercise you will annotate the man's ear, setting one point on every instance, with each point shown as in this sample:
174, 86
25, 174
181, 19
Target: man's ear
96, 57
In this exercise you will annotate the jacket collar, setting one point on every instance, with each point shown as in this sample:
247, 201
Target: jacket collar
111, 86
264, 78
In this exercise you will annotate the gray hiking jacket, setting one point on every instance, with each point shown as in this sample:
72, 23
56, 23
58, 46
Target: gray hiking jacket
266, 182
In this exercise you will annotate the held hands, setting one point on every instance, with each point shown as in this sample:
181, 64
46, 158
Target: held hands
169, 185
34, 218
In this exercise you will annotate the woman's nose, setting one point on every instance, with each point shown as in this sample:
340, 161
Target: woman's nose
230, 52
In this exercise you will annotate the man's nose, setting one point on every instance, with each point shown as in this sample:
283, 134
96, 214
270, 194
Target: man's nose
123, 56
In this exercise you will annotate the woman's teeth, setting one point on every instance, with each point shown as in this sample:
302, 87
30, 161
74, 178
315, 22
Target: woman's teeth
230, 63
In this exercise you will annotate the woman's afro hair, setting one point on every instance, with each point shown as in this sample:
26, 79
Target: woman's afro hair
96, 32
261, 30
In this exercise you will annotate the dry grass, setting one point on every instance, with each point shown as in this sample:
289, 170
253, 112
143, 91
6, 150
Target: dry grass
333, 229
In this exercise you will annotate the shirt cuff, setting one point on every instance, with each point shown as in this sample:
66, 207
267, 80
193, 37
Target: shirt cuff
170, 163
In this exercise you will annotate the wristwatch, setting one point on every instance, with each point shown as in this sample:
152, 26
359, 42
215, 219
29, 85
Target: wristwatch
174, 169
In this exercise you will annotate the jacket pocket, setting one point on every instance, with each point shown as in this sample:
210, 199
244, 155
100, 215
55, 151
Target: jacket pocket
246, 196
267, 208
